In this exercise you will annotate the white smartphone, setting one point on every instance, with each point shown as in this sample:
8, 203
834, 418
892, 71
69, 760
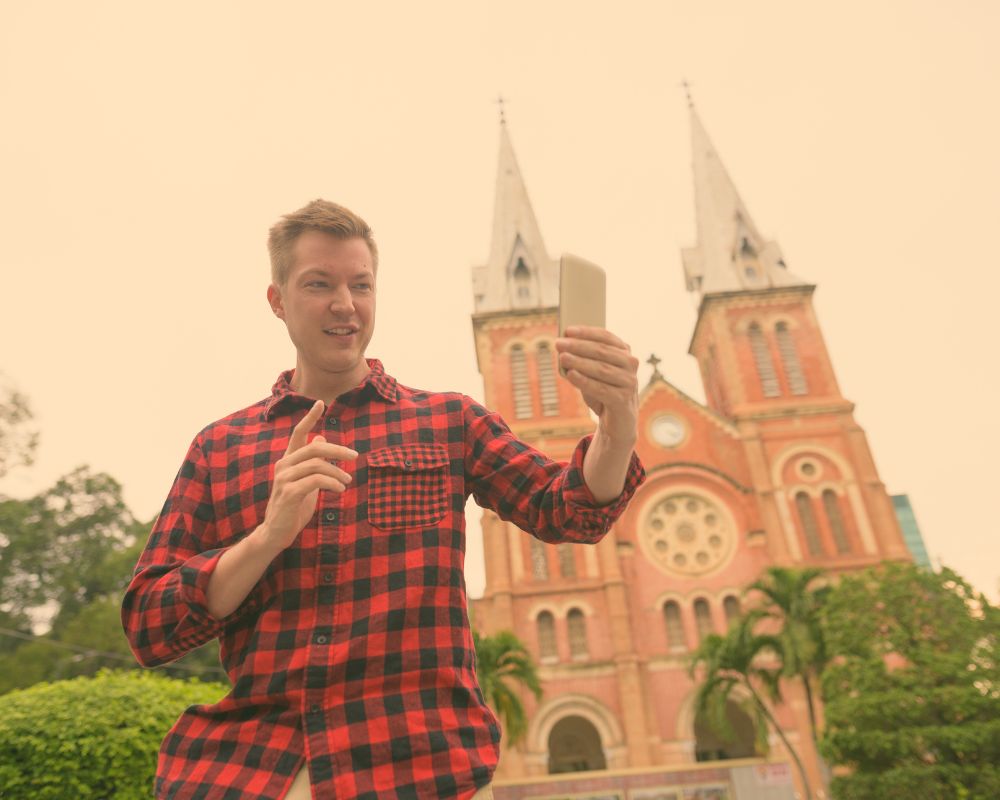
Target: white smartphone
581, 294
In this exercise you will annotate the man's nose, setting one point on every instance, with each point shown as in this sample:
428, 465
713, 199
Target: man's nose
342, 300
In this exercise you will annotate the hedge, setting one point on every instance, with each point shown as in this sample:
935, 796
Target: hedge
91, 738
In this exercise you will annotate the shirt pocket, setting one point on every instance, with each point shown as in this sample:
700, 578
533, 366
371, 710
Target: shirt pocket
407, 486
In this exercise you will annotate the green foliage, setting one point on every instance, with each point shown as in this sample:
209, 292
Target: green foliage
792, 601
912, 691
91, 738
740, 660
55, 546
502, 661
18, 439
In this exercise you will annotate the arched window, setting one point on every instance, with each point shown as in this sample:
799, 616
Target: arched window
731, 608
762, 359
702, 618
567, 560
522, 282
808, 521
519, 382
675, 630
539, 560
577, 626
547, 380
832, 507
546, 635
790, 360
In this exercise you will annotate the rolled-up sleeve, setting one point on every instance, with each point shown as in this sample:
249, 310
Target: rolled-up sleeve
164, 611
546, 498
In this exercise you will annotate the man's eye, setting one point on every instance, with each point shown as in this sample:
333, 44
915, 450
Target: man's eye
364, 286
319, 284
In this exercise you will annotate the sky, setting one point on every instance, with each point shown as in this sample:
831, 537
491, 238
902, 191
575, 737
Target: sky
146, 150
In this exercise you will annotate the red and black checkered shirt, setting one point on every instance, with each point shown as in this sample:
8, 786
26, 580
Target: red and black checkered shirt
354, 650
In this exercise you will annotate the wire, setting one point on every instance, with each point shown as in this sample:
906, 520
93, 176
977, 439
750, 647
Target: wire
88, 651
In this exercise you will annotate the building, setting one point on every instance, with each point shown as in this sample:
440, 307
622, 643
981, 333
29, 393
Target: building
772, 470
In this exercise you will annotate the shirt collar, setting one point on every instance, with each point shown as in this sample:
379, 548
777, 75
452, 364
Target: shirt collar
376, 382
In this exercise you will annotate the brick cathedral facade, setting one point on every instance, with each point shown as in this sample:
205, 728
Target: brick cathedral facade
772, 470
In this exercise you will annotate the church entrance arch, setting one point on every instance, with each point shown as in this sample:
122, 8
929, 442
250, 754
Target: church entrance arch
713, 746
575, 746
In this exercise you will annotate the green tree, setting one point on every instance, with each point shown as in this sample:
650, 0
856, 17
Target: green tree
18, 437
749, 661
502, 664
912, 691
91, 738
793, 601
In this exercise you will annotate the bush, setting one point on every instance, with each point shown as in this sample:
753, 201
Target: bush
91, 738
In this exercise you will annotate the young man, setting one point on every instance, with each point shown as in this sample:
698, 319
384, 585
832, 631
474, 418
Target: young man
320, 535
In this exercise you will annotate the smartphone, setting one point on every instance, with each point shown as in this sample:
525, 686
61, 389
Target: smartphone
581, 294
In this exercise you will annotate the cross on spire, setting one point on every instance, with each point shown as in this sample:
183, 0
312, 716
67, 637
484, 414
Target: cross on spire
687, 91
654, 362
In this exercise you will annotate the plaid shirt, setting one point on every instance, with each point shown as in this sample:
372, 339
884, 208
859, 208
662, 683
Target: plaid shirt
353, 651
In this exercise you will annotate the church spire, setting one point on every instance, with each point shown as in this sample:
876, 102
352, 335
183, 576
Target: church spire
731, 254
519, 272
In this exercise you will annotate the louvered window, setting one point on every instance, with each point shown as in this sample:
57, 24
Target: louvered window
702, 618
790, 360
833, 516
675, 630
577, 625
520, 382
547, 380
567, 560
546, 635
539, 560
808, 520
762, 359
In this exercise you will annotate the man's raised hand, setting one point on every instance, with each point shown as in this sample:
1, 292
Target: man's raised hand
298, 476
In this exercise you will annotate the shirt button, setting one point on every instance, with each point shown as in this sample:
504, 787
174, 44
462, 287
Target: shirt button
321, 639
407, 462
331, 422
327, 577
314, 708
330, 516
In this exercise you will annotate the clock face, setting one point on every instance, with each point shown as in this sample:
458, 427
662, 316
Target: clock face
668, 430
688, 534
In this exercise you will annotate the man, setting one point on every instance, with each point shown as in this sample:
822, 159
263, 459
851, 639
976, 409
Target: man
320, 535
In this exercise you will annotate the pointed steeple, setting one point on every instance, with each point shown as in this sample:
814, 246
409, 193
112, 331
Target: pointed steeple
731, 254
519, 272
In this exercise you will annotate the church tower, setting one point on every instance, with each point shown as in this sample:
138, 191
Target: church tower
765, 367
771, 470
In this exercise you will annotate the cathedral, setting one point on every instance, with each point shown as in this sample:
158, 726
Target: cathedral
772, 469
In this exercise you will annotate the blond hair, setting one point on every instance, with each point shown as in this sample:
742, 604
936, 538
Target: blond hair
319, 215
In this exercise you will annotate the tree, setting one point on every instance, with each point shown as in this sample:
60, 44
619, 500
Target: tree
794, 603
502, 661
18, 438
912, 691
740, 659
91, 738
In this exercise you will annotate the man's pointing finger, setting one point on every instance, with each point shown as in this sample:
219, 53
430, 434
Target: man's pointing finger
300, 433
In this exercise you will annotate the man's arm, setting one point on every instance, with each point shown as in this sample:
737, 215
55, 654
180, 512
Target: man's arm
603, 368
298, 477
185, 590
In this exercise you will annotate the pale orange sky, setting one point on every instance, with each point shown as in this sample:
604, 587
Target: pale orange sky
145, 153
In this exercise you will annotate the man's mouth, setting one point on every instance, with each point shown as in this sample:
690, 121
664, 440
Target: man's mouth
344, 331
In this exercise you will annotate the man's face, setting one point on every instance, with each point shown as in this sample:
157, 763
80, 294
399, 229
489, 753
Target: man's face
328, 305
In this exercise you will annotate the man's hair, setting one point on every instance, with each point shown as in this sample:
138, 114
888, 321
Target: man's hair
319, 215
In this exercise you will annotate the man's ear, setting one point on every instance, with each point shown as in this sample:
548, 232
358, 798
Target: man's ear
275, 301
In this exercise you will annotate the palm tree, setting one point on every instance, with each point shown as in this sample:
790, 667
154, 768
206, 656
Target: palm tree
795, 607
739, 659
503, 660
